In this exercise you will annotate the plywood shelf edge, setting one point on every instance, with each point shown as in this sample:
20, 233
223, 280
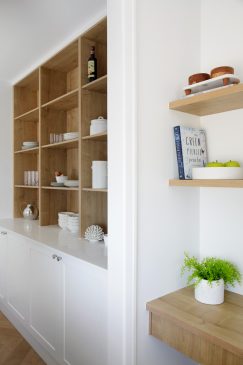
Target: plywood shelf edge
207, 183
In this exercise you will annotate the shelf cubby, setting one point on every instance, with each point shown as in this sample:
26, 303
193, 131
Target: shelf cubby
24, 162
94, 210
97, 37
54, 201
64, 160
24, 195
26, 94
59, 75
26, 129
99, 85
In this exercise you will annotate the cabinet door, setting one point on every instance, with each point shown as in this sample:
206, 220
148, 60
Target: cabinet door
18, 275
85, 314
45, 299
3, 259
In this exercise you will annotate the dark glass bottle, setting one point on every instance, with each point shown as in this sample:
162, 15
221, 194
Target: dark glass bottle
92, 65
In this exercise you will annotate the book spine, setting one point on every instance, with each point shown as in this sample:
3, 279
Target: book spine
180, 163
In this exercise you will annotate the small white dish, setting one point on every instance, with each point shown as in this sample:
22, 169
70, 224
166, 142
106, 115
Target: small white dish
71, 183
30, 143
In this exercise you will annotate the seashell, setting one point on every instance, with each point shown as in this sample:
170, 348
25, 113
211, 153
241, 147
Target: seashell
94, 233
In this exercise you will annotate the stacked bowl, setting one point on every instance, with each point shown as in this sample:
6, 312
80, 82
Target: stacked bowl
63, 219
73, 223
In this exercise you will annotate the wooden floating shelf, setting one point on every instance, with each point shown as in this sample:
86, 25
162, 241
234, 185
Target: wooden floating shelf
95, 190
208, 334
59, 188
65, 144
212, 102
29, 116
65, 102
26, 186
209, 183
96, 137
99, 85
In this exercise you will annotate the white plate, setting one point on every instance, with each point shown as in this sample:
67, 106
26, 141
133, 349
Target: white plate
71, 183
31, 143
210, 84
223, 173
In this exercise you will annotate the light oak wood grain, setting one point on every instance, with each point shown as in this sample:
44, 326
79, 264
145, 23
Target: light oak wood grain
211, 183
210, 335
212, 102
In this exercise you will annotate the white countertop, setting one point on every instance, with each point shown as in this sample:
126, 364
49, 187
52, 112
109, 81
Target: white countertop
56, 238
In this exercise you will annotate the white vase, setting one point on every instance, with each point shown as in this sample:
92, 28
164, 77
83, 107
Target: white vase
210, 293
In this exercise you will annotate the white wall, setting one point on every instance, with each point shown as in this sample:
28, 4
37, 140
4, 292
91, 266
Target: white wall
221, 210
168, 218
5, 149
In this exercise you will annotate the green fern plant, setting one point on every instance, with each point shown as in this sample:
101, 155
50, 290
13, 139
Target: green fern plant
210, 269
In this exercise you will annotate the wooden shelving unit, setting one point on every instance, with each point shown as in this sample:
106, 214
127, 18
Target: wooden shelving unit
208, 334
57, 98
211, 102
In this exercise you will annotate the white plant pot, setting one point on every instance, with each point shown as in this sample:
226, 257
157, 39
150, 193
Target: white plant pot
210, 293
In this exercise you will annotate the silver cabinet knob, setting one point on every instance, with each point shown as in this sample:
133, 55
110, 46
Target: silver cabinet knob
59, 258
3, 233
54, 257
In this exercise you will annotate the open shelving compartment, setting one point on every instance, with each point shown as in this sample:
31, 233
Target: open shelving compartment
56, 99
212, 102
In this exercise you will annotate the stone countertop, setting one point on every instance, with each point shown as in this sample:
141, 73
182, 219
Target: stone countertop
58, 239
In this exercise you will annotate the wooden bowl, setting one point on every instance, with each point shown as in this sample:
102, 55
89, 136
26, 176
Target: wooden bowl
194, 79
219, 71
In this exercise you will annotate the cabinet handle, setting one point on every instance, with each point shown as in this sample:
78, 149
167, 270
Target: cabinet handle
3, 233
54, 257
59, 258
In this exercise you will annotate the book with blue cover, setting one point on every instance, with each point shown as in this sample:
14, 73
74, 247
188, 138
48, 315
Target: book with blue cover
191, 150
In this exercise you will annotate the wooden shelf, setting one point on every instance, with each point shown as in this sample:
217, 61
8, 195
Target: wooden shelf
65, 144
208, 334
29, 150
59, 188
96, 137
30, 116
95, 190
26, 186
99, 85
65, 102
212, 102
207, 183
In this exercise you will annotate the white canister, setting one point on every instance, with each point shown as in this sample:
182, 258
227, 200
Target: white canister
99, 175
98, 126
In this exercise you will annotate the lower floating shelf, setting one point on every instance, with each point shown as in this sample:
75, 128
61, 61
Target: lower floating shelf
207, 183
208, 334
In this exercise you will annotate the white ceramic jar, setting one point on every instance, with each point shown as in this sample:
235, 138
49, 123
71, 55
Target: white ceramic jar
98, 125
99, 174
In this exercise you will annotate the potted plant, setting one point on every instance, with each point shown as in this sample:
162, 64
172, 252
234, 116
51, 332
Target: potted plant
209, 277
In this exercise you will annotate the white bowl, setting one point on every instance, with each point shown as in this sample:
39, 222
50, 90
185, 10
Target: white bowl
61, 179
224, 173
71, 183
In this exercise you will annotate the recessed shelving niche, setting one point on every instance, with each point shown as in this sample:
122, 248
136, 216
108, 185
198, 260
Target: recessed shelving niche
56, 99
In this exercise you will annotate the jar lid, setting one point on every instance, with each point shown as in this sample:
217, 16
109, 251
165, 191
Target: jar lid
99, 119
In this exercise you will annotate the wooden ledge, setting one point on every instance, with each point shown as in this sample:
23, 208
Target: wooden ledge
210, 335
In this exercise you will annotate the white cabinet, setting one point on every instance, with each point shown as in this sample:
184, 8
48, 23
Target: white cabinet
46, 298
3, 266
85, 314
18, 275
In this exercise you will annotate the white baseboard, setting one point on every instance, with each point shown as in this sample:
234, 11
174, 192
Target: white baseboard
27, 336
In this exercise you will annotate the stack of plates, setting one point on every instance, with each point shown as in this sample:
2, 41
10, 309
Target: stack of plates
63, 219
31, 144
71, 135
73, 223
71, 183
